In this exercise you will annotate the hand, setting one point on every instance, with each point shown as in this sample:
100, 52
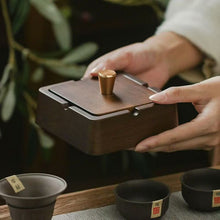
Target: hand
154, 60
203, 131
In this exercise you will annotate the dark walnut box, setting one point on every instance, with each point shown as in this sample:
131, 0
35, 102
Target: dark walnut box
78, 113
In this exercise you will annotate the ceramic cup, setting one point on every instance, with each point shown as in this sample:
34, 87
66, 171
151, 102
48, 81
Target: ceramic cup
142, 199
37, 200
201, 189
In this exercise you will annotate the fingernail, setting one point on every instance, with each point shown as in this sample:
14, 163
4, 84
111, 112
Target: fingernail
100, 66
94, 75
93, 70
158, 97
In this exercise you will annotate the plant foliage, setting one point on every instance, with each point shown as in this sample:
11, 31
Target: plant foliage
14, 88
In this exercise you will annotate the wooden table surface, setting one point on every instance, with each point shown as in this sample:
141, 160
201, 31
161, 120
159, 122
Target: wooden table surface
94, 198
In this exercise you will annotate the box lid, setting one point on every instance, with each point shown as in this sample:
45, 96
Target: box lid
128, 93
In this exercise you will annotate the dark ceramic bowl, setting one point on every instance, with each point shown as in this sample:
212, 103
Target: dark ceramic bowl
37, 200
200, 189
142, 199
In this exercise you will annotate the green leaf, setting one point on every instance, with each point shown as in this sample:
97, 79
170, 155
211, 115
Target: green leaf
48, 9
62, 32
51, 54
81, 53
21, 12
6, 74
9, 102
45, 140
70, 71
2, 93
37, 75
60, 25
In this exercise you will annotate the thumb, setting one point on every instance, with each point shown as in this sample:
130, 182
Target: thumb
173, 95
118, 59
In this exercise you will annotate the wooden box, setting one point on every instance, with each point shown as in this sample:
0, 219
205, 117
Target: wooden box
79, 114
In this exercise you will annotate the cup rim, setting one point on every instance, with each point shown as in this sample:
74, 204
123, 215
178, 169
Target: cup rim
37, 197
192, 187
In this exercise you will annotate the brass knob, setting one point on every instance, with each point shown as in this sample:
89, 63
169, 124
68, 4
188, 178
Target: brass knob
106, 81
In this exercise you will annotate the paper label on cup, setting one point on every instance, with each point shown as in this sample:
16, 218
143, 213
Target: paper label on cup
156, 208
15, 183
216, 198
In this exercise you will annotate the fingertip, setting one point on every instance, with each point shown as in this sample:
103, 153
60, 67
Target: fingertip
94, 75
140, 148
158, 97
85, 76
178, 94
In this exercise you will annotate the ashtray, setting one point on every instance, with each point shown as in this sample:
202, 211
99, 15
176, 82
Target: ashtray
201, 189
78, 113
142, 199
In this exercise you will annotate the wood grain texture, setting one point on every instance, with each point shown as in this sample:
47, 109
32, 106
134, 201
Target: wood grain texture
98, 197
86, 95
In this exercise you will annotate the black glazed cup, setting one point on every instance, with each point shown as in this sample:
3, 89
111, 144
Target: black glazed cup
37, 200
139, 199
201, 189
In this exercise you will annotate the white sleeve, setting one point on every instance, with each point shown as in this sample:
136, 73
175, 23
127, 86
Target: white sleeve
199, 22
